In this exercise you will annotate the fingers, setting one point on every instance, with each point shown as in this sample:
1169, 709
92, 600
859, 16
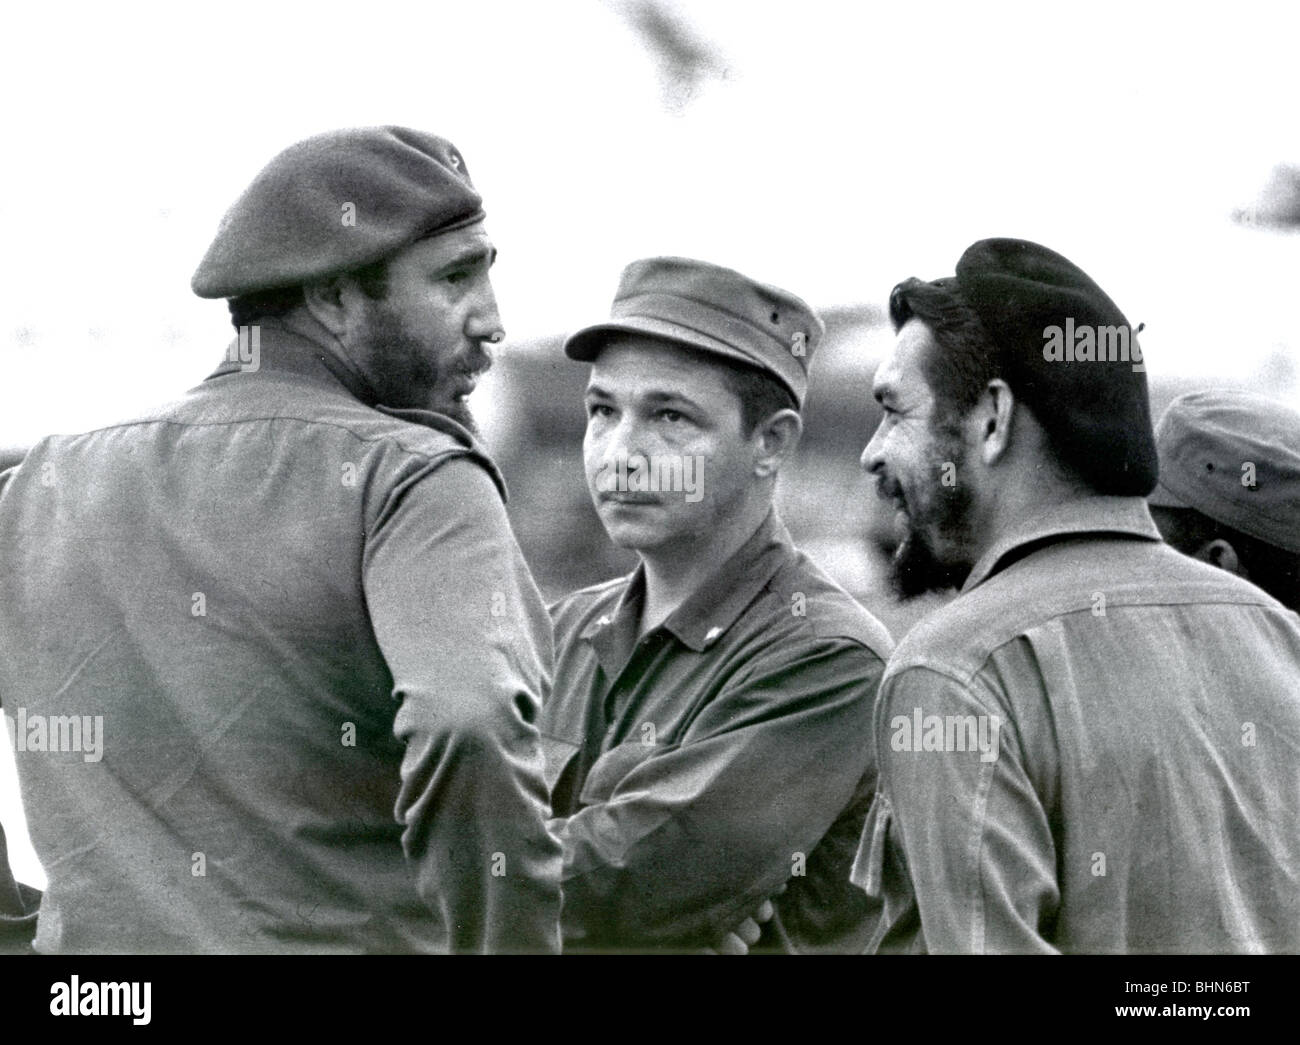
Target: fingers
732, 944
748, 931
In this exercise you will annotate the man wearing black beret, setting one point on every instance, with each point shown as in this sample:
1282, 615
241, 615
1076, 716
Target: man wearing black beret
1092, 748
289, 605
709, 737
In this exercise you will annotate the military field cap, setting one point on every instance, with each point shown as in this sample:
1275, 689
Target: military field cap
1070, 355
1234, 457
714, 310
336, 202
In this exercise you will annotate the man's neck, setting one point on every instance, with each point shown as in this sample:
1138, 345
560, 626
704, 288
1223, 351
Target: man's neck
302, 324
674, 574
1031, 494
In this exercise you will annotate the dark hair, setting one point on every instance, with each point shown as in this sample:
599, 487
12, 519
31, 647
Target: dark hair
760, 394
966, 360
263, 304
1266, 566
266, 304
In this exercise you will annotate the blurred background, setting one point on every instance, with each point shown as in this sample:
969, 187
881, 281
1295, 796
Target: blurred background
830, 148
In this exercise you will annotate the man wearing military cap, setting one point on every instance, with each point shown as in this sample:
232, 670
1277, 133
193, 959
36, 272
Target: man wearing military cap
294, 604
1229, 489
708, 739
1092, 747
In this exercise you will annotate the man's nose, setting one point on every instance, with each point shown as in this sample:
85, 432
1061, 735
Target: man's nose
484, 322
630, 440
626, 441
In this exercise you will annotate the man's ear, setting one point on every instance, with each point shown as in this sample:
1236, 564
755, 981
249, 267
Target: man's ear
327, 301
775, 441
1221, 554
992, 419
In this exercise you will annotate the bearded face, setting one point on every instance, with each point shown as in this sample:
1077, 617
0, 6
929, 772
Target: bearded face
418, 370
917, 456
931, 518
423, 343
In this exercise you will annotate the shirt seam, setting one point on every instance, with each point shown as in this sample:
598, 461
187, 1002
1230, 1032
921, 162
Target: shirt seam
923, 660
456, 446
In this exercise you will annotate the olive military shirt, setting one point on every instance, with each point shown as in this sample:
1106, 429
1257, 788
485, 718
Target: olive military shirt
728, 751
304, 654
1143, 788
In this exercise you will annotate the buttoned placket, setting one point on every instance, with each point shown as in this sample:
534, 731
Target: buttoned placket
629, 676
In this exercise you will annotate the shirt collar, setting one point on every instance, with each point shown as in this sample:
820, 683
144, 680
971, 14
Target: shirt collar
1127, 516
710, 610
284, 352
715, 605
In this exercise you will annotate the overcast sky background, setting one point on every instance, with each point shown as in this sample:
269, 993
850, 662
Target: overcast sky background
829, 147
833, 148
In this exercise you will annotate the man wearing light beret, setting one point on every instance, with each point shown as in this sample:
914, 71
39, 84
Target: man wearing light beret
1092, 748
292, 603
709, 738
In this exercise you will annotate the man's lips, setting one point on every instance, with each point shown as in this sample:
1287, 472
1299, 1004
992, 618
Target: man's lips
463, 384
628, 497
891, 492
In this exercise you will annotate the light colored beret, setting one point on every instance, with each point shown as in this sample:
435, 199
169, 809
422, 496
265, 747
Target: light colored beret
336, 202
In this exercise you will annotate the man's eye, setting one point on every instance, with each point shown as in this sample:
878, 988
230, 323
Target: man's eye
455, 278
672, 416
598, 410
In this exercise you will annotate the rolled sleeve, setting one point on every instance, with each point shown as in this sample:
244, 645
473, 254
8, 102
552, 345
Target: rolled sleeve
467, 640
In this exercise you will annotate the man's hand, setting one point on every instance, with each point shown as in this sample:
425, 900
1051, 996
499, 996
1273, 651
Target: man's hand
746, 934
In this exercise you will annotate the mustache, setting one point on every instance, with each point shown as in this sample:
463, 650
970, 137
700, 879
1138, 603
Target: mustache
478, 362
889, 489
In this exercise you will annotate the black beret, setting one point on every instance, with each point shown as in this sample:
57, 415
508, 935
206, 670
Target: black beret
1070, 355
336, 202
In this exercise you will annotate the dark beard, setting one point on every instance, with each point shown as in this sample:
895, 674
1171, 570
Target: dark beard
407, 364
459, 412
915, 568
